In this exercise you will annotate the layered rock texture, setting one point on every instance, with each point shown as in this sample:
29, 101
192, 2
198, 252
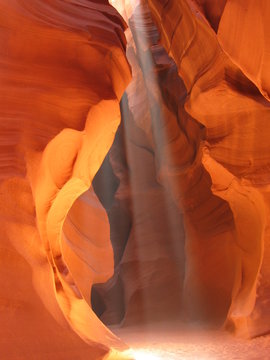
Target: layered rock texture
63, 71
223, 72
149, 249
201, 122
167, 220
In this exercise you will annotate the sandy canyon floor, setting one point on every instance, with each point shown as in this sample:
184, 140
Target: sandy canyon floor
173, 343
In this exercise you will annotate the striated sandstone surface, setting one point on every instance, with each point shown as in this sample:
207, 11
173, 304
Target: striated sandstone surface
187, 177
225, 91
203, 131
162, 156
62, 73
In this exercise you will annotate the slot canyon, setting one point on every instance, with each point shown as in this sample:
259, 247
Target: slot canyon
135, 179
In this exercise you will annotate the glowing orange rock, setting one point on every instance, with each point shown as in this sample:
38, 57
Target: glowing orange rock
235, 152
212, 10
62, 73
244, 35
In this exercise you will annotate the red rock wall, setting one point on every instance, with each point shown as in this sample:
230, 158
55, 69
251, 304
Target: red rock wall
176, 138
161, 164
227, 95
197, 149
63, 71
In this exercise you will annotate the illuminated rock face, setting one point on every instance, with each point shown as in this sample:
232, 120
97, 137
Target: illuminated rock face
147, 235
211, 9
62, 73
149, 241
162, 165
228, 94
203, 138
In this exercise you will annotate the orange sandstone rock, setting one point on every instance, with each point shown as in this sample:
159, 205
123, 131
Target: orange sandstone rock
62, 73
244, 36
224, 82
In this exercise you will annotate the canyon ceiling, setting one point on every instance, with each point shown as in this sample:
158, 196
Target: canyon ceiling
135, 171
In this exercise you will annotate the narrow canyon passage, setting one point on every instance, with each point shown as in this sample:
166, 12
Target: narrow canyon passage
134, 184
144, 132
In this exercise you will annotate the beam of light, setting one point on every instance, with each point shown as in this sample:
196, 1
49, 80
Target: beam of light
158, 115
143, 354
161, 354
146, 69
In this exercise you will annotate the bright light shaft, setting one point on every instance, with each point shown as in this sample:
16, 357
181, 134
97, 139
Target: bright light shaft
162, 354
144, 355
147, 354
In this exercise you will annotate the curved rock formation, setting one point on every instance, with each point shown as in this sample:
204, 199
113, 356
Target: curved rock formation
176, 138
217, 70
63, 71
189, 170
243, 34
150, 247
